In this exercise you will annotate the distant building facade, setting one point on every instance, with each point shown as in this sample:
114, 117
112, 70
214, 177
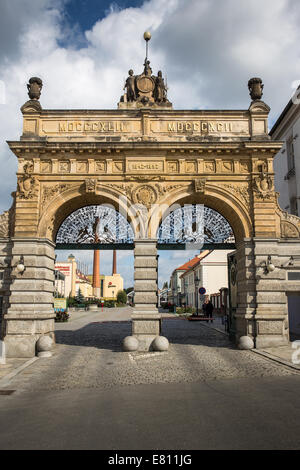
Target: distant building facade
287, 160
208, 270
74, 279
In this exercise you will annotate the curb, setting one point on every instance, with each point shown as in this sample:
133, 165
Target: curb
8, 378
276, 359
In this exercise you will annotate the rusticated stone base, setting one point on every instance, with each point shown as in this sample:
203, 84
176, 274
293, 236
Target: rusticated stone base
146, 327
30, 314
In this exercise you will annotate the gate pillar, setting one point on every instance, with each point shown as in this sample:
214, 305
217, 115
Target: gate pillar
30, 313
262, 282
146, 321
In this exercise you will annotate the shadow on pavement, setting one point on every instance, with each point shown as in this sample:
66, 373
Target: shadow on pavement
110, 334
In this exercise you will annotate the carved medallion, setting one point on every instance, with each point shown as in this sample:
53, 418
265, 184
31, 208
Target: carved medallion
145, 84
145, 195
27, 183
263, 186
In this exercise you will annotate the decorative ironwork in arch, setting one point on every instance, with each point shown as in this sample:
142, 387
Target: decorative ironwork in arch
95, 225
195, 223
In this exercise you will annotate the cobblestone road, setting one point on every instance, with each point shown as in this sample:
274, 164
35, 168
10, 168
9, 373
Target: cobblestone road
88, 354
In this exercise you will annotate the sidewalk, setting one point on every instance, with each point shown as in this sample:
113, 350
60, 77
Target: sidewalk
282, 354
12, 368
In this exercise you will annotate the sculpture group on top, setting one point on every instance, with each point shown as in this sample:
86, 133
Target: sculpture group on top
145, 89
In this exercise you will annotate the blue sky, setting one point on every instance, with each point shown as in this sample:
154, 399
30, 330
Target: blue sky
86, 12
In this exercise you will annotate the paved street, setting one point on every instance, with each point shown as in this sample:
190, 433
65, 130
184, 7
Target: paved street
202, 393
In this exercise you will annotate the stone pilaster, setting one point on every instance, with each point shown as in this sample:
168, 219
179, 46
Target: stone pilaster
271, 318
146, 321
30, 314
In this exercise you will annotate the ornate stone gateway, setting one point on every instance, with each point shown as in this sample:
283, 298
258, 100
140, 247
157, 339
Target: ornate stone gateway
146, 160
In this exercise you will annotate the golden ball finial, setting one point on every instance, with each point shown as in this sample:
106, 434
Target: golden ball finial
147, 35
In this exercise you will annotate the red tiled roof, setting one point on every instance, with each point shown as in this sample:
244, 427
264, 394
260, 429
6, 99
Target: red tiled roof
191, 264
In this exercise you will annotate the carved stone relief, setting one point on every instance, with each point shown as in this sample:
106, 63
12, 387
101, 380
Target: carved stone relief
172, 167
210, 167
289, 230
49, 192
64, 167
200, 185
82, 167
27, 183
145, 195
90, 185
117, 167
190, 167
46, 166
263, 186
240, 191
100, 167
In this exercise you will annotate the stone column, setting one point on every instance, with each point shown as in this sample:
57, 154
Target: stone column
146, 321
30, 314
262, 302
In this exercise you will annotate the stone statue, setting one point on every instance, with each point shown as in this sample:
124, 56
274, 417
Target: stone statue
256, 87
147, 69
34, 87
130, 86
160, 89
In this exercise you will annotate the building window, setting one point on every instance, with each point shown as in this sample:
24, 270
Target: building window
294, 206
1, 275
290, 155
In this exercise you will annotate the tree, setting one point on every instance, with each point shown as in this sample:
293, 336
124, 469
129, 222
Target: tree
122, 297
129, 289
79, 296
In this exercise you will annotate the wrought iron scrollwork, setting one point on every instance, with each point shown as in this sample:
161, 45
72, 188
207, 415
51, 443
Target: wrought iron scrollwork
95, 224
195, 224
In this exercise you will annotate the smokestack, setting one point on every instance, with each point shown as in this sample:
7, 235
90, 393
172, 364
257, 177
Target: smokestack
114, 270
96, 274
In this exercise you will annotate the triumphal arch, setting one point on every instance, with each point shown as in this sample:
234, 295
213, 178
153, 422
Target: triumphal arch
141, 159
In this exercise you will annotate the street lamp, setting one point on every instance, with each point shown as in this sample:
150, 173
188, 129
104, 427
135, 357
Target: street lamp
197, 287
185, 293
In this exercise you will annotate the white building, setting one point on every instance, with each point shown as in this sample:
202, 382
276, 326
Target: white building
209, 271
287, 183
287, 160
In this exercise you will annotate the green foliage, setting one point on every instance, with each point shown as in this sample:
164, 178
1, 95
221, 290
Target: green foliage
80, 297
129, 289
122, 297
62, 317
109, 303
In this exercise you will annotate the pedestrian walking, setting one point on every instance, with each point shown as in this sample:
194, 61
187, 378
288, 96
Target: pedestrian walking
208, 309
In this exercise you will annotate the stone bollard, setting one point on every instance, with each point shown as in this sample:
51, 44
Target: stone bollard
130, 343
2, 353
160, 344
245, 343
44, 346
